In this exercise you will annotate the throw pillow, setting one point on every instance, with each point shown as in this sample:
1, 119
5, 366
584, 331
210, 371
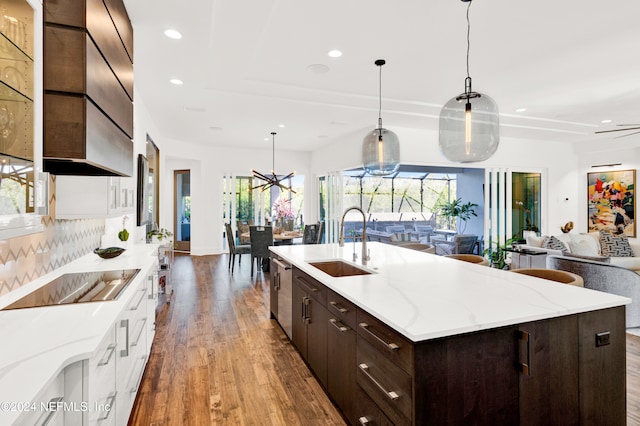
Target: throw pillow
555, 244
534, 240
584, 245
615, 245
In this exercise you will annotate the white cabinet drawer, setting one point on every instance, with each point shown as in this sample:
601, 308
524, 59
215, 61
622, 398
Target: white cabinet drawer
44, 409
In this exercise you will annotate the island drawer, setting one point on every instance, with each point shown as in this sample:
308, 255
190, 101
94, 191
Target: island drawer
341, 308
314, 288
367, 412
386, 384
397, 348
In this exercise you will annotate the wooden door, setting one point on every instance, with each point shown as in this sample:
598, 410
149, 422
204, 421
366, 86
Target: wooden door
317, 339
341, 366
182, 209
299, 326
274, 288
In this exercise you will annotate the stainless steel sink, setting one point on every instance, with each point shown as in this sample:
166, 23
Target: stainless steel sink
339, 268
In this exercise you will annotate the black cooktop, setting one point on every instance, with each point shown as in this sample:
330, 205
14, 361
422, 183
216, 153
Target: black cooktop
78, 287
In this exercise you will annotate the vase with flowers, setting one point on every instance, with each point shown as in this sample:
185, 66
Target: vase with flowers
281, 211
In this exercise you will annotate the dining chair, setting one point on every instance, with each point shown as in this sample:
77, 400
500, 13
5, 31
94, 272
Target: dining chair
310, 235
243, 228
234, 249
470, 258
261, 239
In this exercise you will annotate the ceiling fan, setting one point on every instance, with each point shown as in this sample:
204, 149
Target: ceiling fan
627, 127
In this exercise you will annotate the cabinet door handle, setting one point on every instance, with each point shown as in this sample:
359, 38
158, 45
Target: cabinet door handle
391, 346
109, 406
125, 324
341, 310
307, 285
307, 316
110, 350
151, 295
137, 384
279, 280
390, 394
342, 328
525, 367
363, 420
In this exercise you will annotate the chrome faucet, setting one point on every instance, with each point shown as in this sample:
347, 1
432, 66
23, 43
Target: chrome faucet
365, 255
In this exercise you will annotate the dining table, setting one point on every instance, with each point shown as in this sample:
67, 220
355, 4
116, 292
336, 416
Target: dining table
285, 237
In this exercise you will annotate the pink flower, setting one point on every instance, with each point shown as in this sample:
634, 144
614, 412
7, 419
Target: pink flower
281, 209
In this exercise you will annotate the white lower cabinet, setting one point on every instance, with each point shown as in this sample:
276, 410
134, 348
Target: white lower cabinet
101, 390
46, 408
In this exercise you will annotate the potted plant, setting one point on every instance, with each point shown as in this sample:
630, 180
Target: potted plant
496, 254
160, 236
458, 211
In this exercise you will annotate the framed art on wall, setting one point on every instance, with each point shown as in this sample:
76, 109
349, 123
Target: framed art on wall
612, 201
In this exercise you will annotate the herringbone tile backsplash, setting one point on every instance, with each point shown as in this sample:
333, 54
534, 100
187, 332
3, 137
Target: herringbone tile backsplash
26, 258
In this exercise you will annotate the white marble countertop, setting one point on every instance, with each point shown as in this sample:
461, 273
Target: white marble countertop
38, 343
424, 296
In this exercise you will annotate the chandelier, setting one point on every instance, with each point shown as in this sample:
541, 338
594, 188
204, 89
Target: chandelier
272, 179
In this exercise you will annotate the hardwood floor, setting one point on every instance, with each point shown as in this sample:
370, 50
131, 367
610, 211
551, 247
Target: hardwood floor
218, 359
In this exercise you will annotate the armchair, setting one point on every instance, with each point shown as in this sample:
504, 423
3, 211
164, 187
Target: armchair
459, 244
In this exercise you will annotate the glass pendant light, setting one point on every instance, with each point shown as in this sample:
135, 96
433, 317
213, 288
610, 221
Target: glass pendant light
469, 123
381, 147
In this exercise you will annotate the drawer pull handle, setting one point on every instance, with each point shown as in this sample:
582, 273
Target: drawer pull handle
143, 291
151, 285
282, 265
390, 346
390, 394
306, 284
53, 402
109, 406
341, 310
137, 384
363, 420
110, 350
144, 322
342, 328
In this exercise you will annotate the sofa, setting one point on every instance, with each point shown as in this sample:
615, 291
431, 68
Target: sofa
587, 246
606, 277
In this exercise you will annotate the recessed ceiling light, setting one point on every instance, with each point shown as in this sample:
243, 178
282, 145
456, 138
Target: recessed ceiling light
521, 110
335, 53
605, 121
281, 125
176, 35
266, 139
176, 81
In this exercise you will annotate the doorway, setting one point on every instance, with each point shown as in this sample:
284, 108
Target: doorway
182, 209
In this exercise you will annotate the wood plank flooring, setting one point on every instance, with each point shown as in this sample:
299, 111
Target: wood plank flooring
218, 359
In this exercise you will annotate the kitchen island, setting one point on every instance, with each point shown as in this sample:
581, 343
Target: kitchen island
422, 339
58, 363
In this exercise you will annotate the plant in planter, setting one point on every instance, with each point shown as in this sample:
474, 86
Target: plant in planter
160, 235
496, 254
458, 211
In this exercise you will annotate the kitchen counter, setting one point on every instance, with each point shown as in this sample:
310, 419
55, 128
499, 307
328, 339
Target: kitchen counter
424, 296
38, 343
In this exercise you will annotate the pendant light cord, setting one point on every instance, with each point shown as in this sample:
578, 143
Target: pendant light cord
380, 98
273, 152
468, 37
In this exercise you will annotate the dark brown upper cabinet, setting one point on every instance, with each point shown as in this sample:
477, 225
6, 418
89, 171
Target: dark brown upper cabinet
88, 51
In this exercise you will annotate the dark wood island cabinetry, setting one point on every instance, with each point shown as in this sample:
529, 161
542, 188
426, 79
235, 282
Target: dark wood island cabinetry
567, 370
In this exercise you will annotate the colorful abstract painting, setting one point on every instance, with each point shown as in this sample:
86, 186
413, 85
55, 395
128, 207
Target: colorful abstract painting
612, 202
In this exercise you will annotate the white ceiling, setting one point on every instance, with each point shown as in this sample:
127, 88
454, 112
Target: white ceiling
571, 63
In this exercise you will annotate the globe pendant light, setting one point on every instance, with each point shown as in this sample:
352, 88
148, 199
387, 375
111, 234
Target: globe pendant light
469, 123
273, 179
381, 147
